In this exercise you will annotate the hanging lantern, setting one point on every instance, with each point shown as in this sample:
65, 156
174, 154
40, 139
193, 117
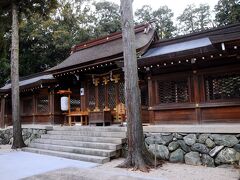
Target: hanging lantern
64, 103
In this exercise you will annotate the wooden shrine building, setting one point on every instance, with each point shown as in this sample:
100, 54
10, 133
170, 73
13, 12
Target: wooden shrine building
191, 79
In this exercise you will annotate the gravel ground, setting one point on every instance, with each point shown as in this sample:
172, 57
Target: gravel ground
6, 148
175, 171
168, 171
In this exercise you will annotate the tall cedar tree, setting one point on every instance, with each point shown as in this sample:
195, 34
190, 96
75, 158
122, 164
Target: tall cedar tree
17, 130
138, 156
15, 6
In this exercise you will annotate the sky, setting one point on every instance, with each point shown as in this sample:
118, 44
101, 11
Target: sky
177, 6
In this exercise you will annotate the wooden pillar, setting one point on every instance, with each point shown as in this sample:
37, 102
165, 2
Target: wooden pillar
151, 100
83, 96
6, 111
51, 106
2, 119
150, 92
196, 97
106, 108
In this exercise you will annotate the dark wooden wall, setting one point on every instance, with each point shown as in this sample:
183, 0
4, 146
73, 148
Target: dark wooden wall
36, 107
210, 95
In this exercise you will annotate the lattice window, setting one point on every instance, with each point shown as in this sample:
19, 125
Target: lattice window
42, 104
75, 103
144, 95
111, 95
121, 92
101, 96
225, 86
91, 96
175, 91
27, 106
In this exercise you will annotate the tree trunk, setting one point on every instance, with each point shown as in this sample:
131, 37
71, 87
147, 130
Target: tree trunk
17, 130
136, 147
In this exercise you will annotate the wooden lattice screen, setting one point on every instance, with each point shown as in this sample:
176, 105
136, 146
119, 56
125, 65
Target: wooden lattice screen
75, 103
222, 87
42, 104
101, 96
91, 96
173, 91
111, 95
121, 92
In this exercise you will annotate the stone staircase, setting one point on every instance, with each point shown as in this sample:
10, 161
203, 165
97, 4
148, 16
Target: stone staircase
85, 143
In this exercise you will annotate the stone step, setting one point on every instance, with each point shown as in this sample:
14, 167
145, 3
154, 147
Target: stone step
81, 157
90, 128
90, 133
95, 145
77, 150
84, 138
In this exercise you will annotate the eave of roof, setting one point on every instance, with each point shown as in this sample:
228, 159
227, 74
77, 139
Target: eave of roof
30, 82
201, 42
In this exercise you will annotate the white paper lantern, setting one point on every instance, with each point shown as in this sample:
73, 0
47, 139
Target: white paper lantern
64, 103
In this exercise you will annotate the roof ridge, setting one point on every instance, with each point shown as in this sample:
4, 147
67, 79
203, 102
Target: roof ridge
107, 38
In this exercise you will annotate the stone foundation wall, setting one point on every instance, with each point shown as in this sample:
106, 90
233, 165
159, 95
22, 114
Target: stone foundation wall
6, 135
195, 149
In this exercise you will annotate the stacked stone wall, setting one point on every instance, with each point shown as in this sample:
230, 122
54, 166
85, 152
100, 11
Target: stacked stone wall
6, 135
195, 149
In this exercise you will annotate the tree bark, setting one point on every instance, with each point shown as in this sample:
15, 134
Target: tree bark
17, 130
137, 154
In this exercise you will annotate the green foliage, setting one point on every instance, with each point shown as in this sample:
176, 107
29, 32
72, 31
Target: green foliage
47, 42
162, 17
47, 34
203, 16
227, 12
26, 10
188, 19
144, 14
194, 18
5, 26
106, 18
